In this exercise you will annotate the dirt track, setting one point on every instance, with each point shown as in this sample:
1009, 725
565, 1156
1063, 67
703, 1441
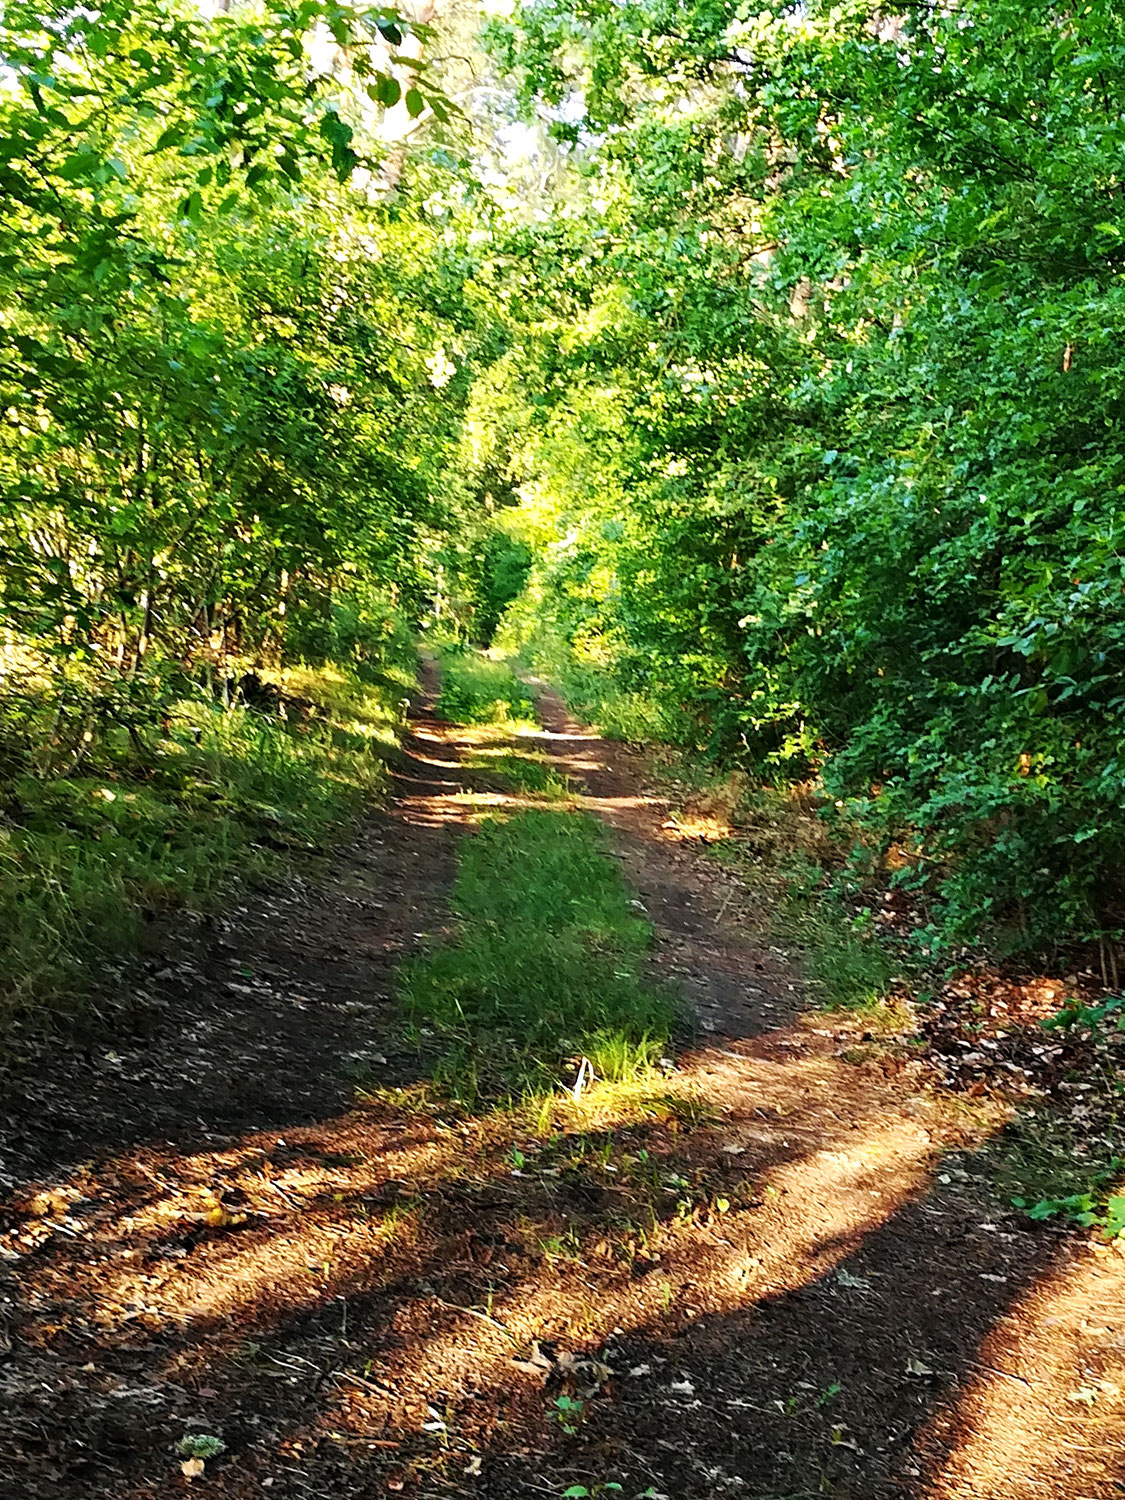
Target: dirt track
787, 1281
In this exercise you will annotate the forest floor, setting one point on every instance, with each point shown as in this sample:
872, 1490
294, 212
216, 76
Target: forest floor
784, 1270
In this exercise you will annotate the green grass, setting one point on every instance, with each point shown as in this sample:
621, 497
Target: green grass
591, 691
86, 860
619, 714
528, 774
847, 969
476, 689
546, 968
635, 718
849, 972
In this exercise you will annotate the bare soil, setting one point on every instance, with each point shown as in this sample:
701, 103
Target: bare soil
785, 1274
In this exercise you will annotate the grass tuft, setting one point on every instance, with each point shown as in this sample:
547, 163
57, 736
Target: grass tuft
478, 689
546, 970
847, 969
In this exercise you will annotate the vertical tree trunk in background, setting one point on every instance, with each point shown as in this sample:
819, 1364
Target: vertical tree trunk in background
397, 124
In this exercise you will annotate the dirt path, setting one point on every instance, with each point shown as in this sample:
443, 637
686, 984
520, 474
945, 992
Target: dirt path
261, 1017
784, 1279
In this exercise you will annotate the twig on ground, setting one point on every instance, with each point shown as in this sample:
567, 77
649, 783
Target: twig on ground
484, 1317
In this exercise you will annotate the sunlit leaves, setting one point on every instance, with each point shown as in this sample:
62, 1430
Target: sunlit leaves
221, 433
234, 93
868, 453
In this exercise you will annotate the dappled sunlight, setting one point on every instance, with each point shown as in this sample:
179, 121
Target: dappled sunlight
433, 760
570, 736
229, 1230
409, 1284
813, 1213
255, 1227
297, 1265
484, 803
606, 805
1049, 1403
820, 1184
269, 1209
688, 826
426, 1261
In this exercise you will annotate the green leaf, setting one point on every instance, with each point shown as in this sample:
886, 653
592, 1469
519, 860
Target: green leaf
1046, 1208
1115, 1216
386, 91
335, 130
191, 208
79, 165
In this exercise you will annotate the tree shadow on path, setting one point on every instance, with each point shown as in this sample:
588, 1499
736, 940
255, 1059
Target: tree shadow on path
787, 1271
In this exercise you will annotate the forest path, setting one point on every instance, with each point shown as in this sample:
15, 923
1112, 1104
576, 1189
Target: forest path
780, 1278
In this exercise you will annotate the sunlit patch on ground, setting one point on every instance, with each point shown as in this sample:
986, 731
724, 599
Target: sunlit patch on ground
765, 1265
698, 826
1047, 1412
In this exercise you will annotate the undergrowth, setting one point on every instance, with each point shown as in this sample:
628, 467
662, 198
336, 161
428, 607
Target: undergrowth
589, 690
616, 712
844, 962
774, 838
88, 859
1054, 1167
530, 774
546, 969
479, 689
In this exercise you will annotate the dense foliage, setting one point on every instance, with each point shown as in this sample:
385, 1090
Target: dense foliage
235, 342
759, 372
829, 458
224, 416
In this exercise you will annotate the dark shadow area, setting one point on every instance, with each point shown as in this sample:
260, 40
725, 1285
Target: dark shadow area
784, 1279
260, 1017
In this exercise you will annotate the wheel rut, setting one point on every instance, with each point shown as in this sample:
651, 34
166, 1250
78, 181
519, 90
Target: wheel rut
781, 1278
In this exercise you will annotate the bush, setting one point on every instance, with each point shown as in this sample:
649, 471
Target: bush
478, 690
